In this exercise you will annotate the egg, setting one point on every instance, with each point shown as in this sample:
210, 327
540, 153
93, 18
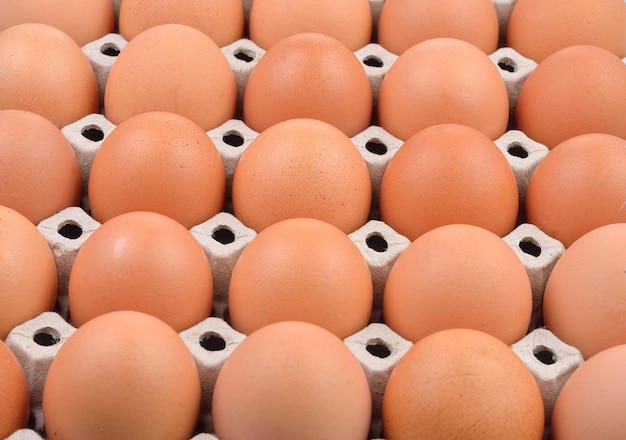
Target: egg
83, 20
36, 157
404, 23
171, 67
291, 380
302, 168
43, 70
584, 302
576, 90
301, 269
157, 161
14, 396
538, 28
580, 185
141, 261
590, 404
123, 375
28, 273
349, 21
458, 276
221, 20
443, 80
448, 173
308, 75
462, 384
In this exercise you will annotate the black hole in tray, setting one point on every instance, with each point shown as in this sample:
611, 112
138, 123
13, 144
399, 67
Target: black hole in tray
243, 56
378, 349
517, 150
46, 337
223, 235
373, 61
375, 146
377, 243
212, 342
233, 138
71, 231
110, 49
93, 133
544, 355
507, 64
529, 247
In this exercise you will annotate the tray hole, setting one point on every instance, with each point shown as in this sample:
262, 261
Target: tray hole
373, 61
223, 235
244, 55
70, 230
110, 50
530, 247
507, 64
377, 242
516, 149
93, 133
545, 355
212, 342
47, 337
378, 348
376, 146
233, 138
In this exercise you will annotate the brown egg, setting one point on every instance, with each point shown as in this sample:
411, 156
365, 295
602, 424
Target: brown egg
579, 186
462, 384
576, 90
291, 380
83, 20
349, 21
28, 271
302, 168
123, 375
404, 23
301, 269
175, 68
591, 402
14, 396
221, 20
458, 276
161, 162
141, 261
443, 80
539, 28
40, 173
584, 302
308, 75
448, 173
43, 70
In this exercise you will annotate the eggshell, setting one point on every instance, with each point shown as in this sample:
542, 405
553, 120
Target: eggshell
579, 186
40, 173
404, 23
448, 173
591, 402
462, 384
28, 275
302, 168
14, 397
301, 269
161, 162
576, 90
443, 80
175, 68
123, 375
349, 21
538, 28
457, 276
308, 75
584, 302
141, 261
43, 70
83, 20
221, 20
291, 380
